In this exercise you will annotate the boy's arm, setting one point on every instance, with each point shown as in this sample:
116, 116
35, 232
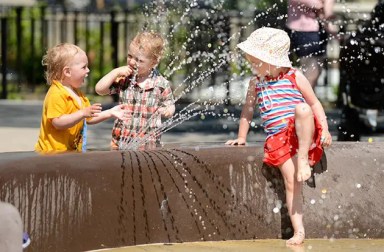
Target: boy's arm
103, 85
168, 108
115, 112
246, 116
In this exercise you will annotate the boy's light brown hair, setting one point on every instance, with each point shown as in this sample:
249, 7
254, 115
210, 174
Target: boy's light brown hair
152, 43
56, 59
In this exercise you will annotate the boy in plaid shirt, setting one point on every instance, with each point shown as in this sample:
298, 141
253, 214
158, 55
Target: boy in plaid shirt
146, 95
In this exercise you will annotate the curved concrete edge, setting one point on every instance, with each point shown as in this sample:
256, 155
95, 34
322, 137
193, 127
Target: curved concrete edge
74, 202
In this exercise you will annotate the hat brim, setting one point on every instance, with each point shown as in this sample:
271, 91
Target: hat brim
282, 61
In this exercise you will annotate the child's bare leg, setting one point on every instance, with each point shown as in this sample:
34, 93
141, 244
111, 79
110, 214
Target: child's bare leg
305, 127
294, 200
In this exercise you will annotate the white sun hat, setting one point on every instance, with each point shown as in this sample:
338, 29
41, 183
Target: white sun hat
270, 45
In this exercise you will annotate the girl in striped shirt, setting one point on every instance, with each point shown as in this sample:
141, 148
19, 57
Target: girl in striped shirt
292, 117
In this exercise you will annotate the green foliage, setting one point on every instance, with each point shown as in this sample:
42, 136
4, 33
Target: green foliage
21, 57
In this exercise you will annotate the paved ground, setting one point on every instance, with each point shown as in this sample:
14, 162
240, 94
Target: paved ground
20, 122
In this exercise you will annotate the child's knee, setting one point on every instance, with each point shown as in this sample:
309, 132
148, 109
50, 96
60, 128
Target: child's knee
303, 110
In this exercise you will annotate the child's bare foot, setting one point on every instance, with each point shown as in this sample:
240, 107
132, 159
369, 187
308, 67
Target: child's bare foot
296, 248
303, 170
297, 238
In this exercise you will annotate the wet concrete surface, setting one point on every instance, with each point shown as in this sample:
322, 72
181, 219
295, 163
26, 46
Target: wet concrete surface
310, 245
189, 193
95, 200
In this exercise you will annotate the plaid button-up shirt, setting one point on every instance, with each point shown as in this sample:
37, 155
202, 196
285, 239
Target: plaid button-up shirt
142, 104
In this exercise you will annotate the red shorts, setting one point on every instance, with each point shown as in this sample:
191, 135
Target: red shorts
284, 145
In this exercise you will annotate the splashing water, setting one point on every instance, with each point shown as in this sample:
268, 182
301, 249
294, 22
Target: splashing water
214, 57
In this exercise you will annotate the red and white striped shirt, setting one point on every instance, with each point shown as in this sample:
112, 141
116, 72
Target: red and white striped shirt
277, 99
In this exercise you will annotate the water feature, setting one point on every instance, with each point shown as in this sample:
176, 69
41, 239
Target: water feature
176, 194
208, 47
78, 202
206, 59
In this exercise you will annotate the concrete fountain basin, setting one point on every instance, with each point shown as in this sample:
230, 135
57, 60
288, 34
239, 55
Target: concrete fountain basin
190, 192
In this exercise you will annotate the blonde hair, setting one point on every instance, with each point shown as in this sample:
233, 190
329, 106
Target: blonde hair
152, 43
57, 58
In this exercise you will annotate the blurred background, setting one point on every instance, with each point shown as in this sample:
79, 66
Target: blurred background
200, 34
201, 58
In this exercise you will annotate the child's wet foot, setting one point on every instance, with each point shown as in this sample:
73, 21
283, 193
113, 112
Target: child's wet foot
297, 238
303, 171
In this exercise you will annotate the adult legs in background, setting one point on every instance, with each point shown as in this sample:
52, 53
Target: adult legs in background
310, 50
311, 68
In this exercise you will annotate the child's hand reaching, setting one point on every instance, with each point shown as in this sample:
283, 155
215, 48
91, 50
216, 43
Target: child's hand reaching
93, 110
238, 141
119, 112
167, 111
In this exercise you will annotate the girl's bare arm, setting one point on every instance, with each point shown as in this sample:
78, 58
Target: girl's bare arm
246, 116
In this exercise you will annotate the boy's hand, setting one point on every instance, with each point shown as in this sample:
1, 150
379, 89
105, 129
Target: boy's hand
168, 111
124, 71
93, 110
238, 141
119, 112
127, 70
